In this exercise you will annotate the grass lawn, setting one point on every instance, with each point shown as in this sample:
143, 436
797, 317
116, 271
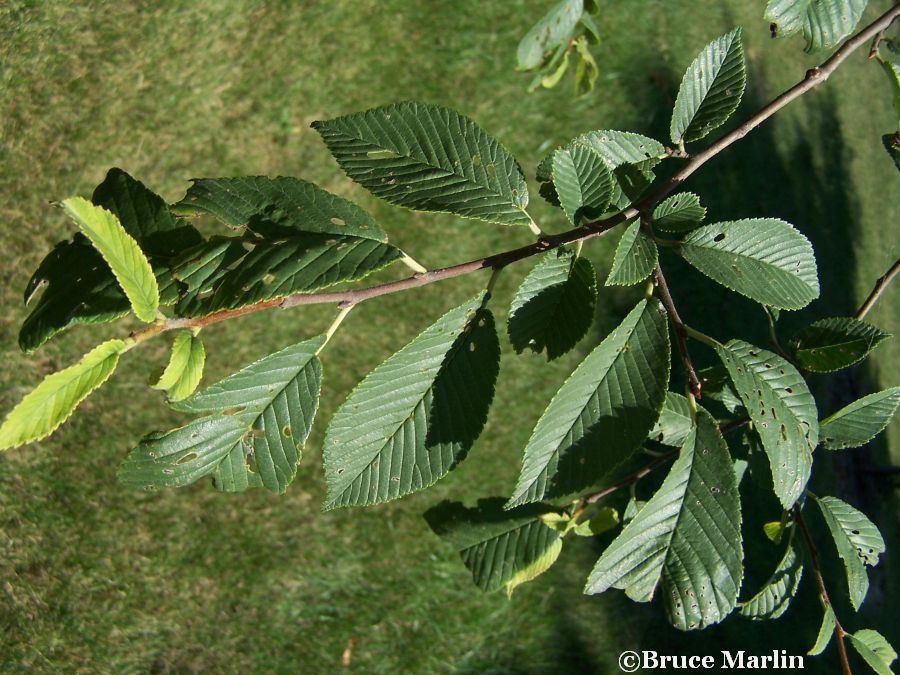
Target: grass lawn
98, 578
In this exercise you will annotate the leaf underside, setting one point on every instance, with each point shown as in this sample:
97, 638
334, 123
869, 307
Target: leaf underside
554, 306
688, 536
875, 650
414, 417
551, 32
679, 213
775, 597
832, 344
636, 257
859, 422
583, 181
823, 23
675, 421
602, 413
429, 158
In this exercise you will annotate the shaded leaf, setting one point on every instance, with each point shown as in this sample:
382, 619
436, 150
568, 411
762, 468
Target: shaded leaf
858, 541
892, 70
679, 213
891, 143
716, 385
430, 158
874, 649
553, 31
414, 417
782, 409
861, 421
765, 259
831, 344
823, 23
583, 182
602, 413
711, 89
494, 544
675, 421
636, 257
688, 536
554, 306
775, 597
185, 368
52, 402
121, 252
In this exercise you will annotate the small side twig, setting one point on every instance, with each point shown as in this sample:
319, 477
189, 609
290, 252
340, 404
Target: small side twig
839, 632
880, 287
630, 479
680, 332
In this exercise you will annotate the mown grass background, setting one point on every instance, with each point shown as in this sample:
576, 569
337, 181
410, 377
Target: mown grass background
97, 578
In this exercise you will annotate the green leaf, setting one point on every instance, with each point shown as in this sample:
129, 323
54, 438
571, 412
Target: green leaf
774, 530
891, 143
602, 413
121, 252
826, 630
861, 421
716, 385
551, 32
765, 259
636, 257
279, 204
554, 306
711, 89
783, 412
429, 158
858, 541
52, 402
287, 264
583, 182
262, 416
892, 70
823, 23
675, 421
688, 535
831, 344
775, 597
201, 267
874, 649
679, 213
536, 568
276, 398
494, 544
604, 520
414, 417
586, 72
182, 375
555, 70
79, 286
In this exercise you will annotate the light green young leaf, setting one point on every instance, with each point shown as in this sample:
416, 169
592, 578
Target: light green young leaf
675, 421
832, 344
554, 306
429, 158
415, 417
583, 183
52, 402
861, 421
497, 545
688, 536
121, 252
874, 649
711, 89
826, 630
604, 520
602, 413
555, 71
553, 31
783, 411
535, 569
775, 597
858, 541
586, 72
182, 375
765, 259
679, 213
774, 530
268, 408
824, 23
636, 257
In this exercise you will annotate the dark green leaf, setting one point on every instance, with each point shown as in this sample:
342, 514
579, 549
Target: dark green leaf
554, 306
765, 259
679, 213
831, 344
675, 421
891, 143
716, 385
824, 23
603, 411
775, 597
688, 536
495, 544
636, 257
414, 417
430, 158
711, 89
861, 421
782, 409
